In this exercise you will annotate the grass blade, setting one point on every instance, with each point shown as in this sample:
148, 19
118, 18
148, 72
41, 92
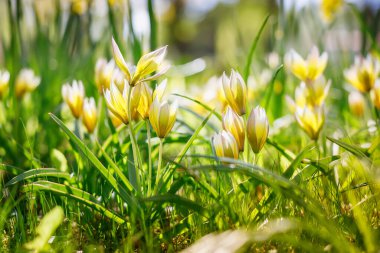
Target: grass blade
36, 173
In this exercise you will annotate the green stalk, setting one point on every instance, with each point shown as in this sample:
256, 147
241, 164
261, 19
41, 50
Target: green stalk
153, 26
160, 151
149, 158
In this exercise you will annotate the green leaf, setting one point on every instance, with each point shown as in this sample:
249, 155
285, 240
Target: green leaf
290, 170
73, 193
355, 150
37, 173
125, 194
252, 50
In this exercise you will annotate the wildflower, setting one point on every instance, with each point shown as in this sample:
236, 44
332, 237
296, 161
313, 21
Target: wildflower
375, 94
73, 96
225, 145
142, 96
162, 117
148, 63
363, 73
308, 69
313, 94
90, 117
330, 7
26, 81
116, 122
103, 74
117, 102
234, 124
4, 82
257, 128
79, 7
311, 120
235, 92
356, 103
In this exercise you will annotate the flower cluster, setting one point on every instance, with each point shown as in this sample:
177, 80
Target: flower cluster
310, 95
231, 140
26, 81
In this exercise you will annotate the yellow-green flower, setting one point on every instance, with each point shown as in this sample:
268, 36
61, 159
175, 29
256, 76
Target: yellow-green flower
73, 95
89, 117
143, 95
26, 81
257, 129
162, 117
375, 94
103, 74
116, 122
234, 124
330, 7
79, 7
311, 120
235, 92
117, 102
356, 103
313, 94
363, 73
308, 69
4, 82
148, 63
225, 145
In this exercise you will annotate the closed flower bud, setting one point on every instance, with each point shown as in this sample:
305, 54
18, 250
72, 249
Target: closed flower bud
103, 74
235, 92
162, 117
148, 63
362, 75
89, 117
375, 94
357, 103
257, 129
143, 95
311, 120
73, 96
313, 94
234, 124
225, 145
4, 82
308, 69
26, 81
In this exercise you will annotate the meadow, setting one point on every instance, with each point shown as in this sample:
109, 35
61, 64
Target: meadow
182, 126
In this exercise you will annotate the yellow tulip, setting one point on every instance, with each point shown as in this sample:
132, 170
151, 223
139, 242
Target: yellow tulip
26, 81
311, 120
116, 122
73, 96
4, 82
234, 124
375, 94
103, 74
235, 92
225, 145
142, 97
356, 103
330, 7
308, 69
257, 129
148, 63
162, 117
313, 94
117, 102
89, 117
363, 73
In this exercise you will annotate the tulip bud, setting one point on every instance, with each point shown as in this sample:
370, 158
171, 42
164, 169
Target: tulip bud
26, 81
225, 145
234, 124
362, 75
143, 96
4, 82
356, 103
103, 74
313, 94
117, 102
162, 117
235, 92
73, 96
90, 117
119, 60
311, 120
257, 129
307, 70
375, 94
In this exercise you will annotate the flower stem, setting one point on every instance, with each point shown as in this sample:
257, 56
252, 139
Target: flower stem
149, 158
159, 164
